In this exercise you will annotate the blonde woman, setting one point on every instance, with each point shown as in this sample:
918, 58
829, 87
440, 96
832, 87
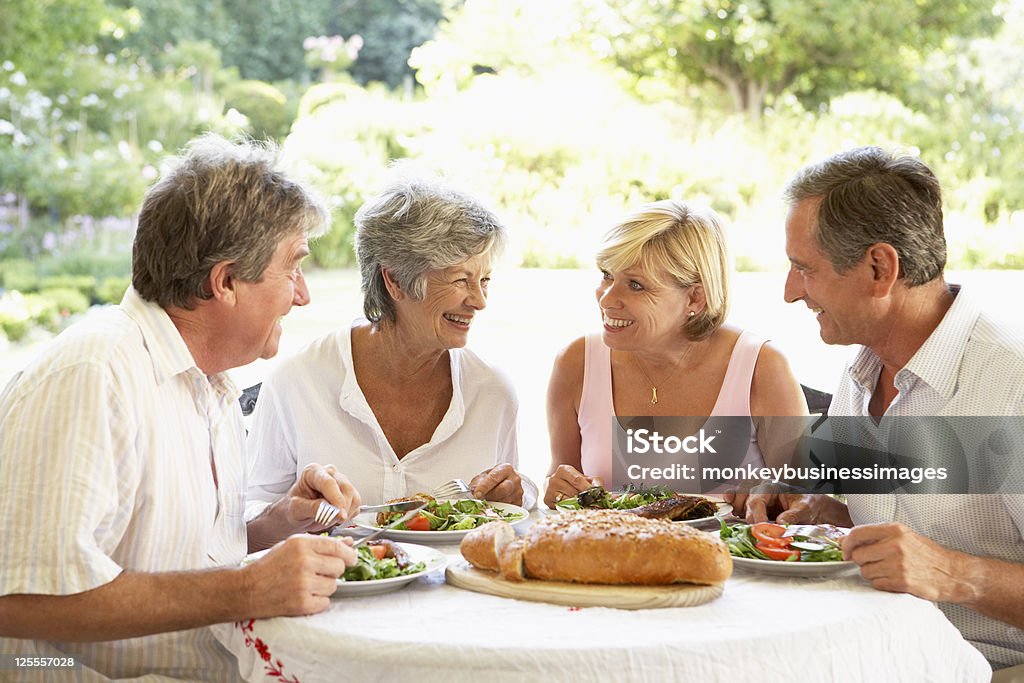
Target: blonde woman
664, 349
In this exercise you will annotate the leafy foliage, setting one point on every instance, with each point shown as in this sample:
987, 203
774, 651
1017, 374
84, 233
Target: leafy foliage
265, 106
390, 30
757, 50
565, 114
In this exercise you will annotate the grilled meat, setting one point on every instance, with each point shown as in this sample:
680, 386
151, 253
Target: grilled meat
394, 550
383, 518
677, 509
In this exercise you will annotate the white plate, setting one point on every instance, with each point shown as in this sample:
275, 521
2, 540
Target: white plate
779, 568
723, 509
368, 520
433, 559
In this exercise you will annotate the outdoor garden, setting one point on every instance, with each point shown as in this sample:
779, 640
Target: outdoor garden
561, 113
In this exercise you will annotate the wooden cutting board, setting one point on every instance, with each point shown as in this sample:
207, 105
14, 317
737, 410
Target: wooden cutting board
463, 575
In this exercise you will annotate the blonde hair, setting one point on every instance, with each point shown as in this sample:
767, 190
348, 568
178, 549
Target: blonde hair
682, 240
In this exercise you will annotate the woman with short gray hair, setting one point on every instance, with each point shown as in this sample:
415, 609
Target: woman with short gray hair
394, 400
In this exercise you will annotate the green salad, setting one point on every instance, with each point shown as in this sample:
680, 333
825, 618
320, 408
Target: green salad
369, 567
452, 515
596, 497
765, 541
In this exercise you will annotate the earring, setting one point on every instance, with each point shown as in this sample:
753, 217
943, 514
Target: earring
692, 313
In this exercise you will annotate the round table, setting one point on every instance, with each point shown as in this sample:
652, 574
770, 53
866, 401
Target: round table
761, 628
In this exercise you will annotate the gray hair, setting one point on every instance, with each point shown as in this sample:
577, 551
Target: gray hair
414, 226
870, 196
219, 202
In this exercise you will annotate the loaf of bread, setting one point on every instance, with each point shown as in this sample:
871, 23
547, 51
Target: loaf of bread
488, 540
600, 546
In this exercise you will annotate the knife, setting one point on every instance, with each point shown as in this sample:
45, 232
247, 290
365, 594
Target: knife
403, 506
401, 520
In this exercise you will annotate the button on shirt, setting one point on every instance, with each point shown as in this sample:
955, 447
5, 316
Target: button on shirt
118, 454
970, 365
311, 410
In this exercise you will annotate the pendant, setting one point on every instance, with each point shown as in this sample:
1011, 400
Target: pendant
654, 394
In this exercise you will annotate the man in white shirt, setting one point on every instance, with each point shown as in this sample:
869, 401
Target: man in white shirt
121, 448
864, 236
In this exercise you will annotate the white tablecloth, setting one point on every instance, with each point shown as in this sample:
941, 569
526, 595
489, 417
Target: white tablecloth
763, 629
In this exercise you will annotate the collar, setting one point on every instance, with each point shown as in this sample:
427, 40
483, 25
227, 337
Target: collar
168, 351
937, 362
352, 400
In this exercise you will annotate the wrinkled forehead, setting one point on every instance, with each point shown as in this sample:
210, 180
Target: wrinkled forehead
474, 265
480, 262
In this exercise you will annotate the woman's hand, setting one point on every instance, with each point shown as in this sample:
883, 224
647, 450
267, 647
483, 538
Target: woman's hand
565, 482
501, 484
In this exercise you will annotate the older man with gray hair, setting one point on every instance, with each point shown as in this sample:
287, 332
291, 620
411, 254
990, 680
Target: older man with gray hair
121, 447
864, 236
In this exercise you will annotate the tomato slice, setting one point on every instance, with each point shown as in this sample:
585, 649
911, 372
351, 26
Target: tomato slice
418, 523
379, 551
777, 553
770, 535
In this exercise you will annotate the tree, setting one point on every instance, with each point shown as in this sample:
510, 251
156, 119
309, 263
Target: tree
38, 34
756, 50
262, 39
390, 30
499, 37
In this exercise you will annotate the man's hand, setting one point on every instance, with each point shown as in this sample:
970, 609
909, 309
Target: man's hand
796, 508
565, 482
297, 576
894, 558
501, 484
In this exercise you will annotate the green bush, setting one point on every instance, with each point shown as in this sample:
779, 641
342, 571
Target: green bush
19, 275
42, 311
81, 284
67, 301
323, 94
14, 315
111, 290
13, 328
265, 106
87, 263
336, 249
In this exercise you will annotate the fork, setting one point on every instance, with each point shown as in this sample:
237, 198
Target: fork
326, 514
810, 531
454, 488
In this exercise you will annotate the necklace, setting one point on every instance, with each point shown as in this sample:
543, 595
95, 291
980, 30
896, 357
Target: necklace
654, 387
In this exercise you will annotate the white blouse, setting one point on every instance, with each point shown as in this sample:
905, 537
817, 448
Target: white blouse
311, 410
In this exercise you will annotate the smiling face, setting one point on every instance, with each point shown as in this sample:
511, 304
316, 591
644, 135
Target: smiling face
840, 301
453, 297
639, 310
261, 305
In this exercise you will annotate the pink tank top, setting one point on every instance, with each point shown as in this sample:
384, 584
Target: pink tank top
597, 408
